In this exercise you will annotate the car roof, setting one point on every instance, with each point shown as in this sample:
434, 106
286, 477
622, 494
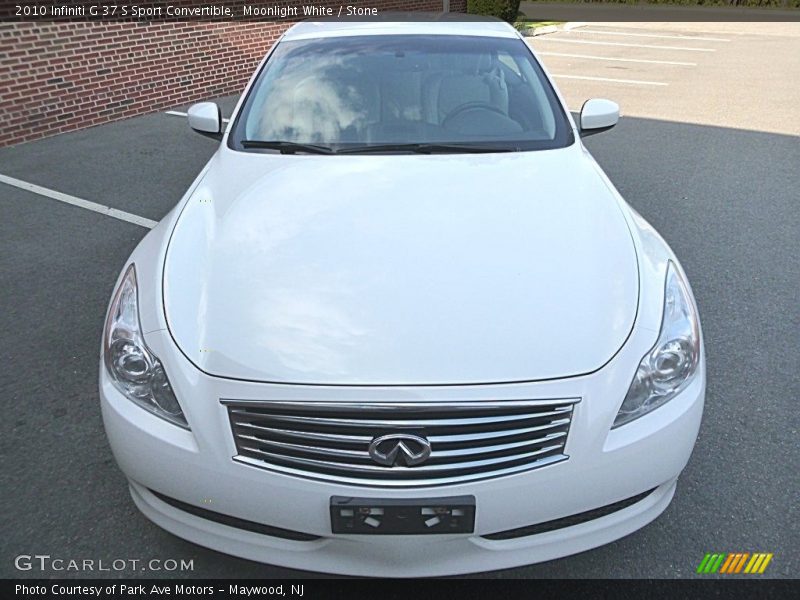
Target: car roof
393, 24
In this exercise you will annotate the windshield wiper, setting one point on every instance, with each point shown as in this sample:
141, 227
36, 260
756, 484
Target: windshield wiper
417, 148
287, 147
425, 148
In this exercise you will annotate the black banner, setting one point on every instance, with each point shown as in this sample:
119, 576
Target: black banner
406, 589
405, 10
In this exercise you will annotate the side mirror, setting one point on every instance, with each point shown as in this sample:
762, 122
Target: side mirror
598, 115
206, 119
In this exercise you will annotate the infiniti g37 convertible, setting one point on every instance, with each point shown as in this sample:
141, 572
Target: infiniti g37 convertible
402, 324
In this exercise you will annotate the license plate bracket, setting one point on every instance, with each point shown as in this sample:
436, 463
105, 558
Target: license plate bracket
402, 516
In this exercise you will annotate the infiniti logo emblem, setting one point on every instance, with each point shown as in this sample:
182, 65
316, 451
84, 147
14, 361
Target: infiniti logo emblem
399, 449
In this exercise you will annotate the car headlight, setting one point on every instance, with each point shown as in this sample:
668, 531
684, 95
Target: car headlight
670, 364
132, 366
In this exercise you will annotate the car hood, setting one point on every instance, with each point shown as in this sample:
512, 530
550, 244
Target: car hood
401, 269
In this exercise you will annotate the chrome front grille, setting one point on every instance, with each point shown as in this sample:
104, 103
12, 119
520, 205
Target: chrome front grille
468, 440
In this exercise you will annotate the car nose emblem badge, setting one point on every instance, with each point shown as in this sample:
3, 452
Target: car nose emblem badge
399, 449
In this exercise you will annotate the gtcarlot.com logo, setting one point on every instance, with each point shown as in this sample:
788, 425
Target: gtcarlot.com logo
45, 562
729, 563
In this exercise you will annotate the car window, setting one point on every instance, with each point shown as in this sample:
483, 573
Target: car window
506, 59
345, 92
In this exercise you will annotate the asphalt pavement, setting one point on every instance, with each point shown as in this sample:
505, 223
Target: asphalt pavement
735, 75
721, 185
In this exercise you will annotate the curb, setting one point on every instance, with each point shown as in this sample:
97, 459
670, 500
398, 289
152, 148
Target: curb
543, 30
537, 31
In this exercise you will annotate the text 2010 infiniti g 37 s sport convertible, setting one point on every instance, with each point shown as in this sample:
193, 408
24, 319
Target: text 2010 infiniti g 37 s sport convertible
402, 324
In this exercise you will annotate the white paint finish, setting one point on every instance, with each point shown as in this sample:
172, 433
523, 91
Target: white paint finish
598, 472
615, 59
312, 269
609, 79
254, 215
402, 556
80, 202
599, 113
553, 38
205, 117
654, 35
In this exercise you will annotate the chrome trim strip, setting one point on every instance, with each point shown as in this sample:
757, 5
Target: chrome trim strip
417, 483
308, 435
398, 470
497, 448
484, 435
485, 420
443, 438
309, 449
477, 450
425, 405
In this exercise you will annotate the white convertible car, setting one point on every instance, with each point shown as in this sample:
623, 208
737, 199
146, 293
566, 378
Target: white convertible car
402, 324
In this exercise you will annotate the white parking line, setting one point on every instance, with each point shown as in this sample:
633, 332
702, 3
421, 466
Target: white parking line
630, 60
87, 204
631, 81
177, 113
653, 35
553, 38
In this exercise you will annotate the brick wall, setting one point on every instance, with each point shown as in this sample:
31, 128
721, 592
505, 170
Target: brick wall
62, 76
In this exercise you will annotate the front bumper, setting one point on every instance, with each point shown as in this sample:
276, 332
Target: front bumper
605, 466
403, 556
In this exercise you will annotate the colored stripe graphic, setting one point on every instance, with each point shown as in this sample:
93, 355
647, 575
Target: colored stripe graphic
749, 567
764, 564
709, 568
702, 566
731, 560
740, 564
715, 564
734, 562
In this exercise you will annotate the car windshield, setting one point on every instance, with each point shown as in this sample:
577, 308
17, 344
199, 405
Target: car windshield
401, 92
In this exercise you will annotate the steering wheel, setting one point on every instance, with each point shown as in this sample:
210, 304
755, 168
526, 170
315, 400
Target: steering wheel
471, 106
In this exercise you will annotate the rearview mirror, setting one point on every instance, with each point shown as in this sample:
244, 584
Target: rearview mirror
598, 115
206, 118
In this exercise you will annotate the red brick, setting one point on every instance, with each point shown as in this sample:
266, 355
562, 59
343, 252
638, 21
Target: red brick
149, 66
